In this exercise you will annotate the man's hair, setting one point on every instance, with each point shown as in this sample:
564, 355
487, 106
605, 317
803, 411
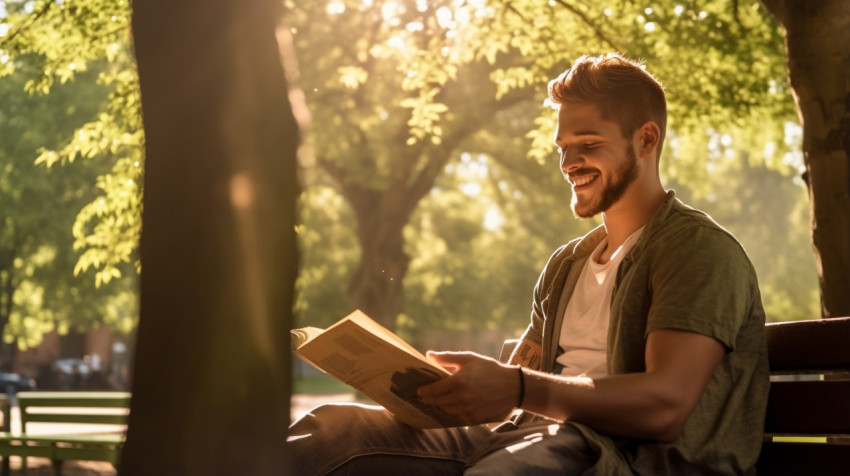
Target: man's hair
620, 88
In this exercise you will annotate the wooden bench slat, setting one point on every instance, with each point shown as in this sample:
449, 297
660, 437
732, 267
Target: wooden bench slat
86, 454
103, 438
780, 459
809, 408
818, 345
74, 399
18, 448
507, 349
93, 419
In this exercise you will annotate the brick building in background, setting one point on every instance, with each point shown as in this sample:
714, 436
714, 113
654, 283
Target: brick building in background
71, 362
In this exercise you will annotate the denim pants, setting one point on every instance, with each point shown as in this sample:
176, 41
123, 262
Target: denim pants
347, 439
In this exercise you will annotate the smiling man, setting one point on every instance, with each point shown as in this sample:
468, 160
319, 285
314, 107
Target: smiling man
645, 353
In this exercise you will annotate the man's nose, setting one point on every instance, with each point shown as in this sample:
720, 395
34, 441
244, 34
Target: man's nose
570, 160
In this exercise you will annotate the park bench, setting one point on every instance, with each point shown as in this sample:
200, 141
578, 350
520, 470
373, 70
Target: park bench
71, 427
807, 425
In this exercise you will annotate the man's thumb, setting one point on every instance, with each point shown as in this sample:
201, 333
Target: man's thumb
450, 359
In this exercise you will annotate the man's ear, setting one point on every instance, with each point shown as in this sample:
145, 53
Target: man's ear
648, 137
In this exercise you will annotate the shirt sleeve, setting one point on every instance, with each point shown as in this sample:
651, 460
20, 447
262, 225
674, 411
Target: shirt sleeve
703, 284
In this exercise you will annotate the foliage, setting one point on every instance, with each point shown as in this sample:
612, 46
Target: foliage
407, 94
107, 228
39, 291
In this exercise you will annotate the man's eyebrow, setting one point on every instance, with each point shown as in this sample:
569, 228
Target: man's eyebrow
588, 133
580, 134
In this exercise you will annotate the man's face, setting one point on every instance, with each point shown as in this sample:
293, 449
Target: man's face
596, 159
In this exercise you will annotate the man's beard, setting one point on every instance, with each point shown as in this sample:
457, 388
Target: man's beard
620, 181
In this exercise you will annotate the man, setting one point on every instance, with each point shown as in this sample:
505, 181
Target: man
645, 353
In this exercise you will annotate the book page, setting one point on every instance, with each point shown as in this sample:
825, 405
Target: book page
370, 358
304, 334
367, 323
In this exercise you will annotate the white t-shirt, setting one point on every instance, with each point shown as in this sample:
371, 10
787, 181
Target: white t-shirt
584, 332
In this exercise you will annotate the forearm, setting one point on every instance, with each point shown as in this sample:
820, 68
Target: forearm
653, 404
631, 405
636, 405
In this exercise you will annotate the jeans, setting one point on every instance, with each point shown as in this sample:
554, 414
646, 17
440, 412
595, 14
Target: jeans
350, 439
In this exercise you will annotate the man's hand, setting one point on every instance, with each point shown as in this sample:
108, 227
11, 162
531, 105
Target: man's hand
480, 390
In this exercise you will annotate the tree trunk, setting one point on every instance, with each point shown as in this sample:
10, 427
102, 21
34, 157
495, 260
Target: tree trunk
211, 374
818, 46
376, 287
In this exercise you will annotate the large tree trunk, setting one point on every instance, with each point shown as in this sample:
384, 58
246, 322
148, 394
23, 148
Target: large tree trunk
376, 287
818, 47
211, 380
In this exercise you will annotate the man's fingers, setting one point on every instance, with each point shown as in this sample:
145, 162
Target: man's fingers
452, 359
440, 388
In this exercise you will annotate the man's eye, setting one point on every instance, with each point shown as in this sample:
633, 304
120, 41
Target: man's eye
591, 145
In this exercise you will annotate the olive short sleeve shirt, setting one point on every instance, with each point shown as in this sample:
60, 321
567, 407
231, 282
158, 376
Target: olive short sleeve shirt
687, 273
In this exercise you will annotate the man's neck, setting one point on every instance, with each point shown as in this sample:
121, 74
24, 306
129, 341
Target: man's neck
627, 216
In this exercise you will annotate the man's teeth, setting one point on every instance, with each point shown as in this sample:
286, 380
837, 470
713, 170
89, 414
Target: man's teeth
582, 179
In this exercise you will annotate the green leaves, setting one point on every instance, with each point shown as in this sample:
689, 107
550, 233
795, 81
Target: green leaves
67, 37
47, 45
425, 116
107, 229
352, 76
399, 90
38, 204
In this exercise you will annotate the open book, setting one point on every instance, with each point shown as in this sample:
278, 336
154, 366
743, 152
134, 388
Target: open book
376, 362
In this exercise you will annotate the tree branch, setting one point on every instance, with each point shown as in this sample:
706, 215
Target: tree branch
735, 5
596, 29
31, 20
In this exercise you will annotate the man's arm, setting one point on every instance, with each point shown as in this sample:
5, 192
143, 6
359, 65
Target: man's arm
528, 354
650, 405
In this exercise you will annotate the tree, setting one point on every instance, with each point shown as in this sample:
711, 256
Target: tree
379, 142
400, 89
817, 40
38, 290
107, 228
218, 245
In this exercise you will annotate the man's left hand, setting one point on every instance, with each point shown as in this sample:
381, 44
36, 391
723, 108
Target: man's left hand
480, 390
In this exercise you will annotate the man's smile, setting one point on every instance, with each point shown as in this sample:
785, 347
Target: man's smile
582, 179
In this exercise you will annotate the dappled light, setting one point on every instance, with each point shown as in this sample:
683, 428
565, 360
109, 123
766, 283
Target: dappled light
431, 192
242, 193
439, 66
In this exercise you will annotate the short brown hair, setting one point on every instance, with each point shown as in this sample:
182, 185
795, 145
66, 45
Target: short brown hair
622, 90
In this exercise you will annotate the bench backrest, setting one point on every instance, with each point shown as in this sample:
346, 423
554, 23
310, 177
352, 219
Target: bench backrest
807, 426
98, 408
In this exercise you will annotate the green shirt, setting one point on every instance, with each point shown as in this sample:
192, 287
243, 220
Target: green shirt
687, 273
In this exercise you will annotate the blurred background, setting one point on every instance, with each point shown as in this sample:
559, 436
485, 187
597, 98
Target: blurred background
431, 195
